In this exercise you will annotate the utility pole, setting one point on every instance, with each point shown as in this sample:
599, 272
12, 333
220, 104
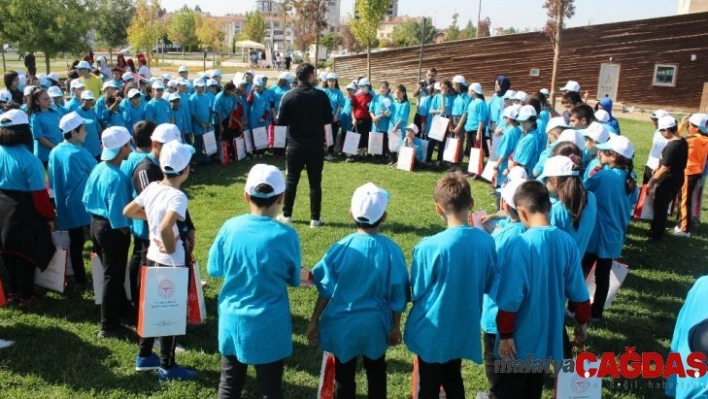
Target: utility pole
420, 58
479, 17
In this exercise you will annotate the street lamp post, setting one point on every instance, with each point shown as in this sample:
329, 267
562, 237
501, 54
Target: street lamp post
479, 17
420, 58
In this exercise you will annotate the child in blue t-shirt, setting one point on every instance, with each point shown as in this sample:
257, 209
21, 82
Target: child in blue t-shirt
507, 143
539, 269
254, 312
411, 140
450, 273
363, 289
526, 151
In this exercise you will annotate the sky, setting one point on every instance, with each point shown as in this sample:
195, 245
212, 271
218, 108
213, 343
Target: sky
524, 13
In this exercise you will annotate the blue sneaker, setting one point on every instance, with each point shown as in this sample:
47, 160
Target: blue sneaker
176, 373
146, 363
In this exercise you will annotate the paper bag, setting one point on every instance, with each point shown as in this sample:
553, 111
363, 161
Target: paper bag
570, 385
3, 300
645, 206
97, 275
394, 140
224, 153
54, 276
196, 306
280, 136
260, 138
248, 138
329, 137
240, 147
61, 240
617, 275
325, 390
477, 219
415, 385
376, 140
406, 158
452, 150
493, 150
307, 280
163, 301
210, 147
489, 174
476, 166
351, 143
438, 128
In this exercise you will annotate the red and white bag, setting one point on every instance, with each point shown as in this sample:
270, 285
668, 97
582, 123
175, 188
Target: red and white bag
416, 382
196, 306
325, 390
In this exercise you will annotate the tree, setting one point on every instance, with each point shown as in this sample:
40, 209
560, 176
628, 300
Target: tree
209, 34
146, 28
348, 40
49, 26
310, 21
254, 28
112, 22
365, 27
453, 31
331, 41
409, 34
3, 11
557, 11
284, 7
182, 28
469, 31
484, 27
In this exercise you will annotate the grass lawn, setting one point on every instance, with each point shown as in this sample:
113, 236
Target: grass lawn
57, 354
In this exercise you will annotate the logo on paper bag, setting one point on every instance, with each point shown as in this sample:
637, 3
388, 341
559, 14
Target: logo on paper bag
166, 289
579, 384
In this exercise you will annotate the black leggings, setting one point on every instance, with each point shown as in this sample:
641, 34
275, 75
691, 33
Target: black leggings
345, 378
434, 375
310, 157
603, 267
76, 253
269, 378
20, 273
663, 196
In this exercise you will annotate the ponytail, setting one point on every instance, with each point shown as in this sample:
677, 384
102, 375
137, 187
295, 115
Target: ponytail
571, 192
628, 165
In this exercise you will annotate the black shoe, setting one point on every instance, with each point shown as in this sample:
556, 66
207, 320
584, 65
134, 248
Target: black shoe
117, 333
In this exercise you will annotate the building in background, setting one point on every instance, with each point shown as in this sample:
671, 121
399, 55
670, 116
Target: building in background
385, 30
392, 11
692, 6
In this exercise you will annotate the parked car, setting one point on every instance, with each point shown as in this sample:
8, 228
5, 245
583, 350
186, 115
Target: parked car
125, 51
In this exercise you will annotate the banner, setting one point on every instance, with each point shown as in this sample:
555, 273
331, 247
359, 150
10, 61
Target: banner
163, 301
210, 147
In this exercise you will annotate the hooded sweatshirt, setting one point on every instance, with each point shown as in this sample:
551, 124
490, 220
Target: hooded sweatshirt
606, 104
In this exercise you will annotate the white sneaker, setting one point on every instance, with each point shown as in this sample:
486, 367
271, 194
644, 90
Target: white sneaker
482, 395
329, 158
315, 224
285, 219
6, 344
681, 233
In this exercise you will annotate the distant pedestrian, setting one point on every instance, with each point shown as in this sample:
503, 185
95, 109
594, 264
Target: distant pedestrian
31, 64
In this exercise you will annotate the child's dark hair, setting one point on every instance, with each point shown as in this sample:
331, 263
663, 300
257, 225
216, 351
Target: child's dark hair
402, 89
536, 104
230, 86
673, 129
513, 213
265, 189
571, 191
572, 97
542, 98
567, 149
626, 164
584, 111
533, 195
32, 104
68, 135
366, 226
453, 193
447, 83
8, 77
142, 132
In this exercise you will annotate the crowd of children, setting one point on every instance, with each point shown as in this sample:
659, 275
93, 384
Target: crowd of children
566, 187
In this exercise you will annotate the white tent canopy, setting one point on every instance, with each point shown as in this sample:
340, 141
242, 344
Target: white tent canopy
250, 44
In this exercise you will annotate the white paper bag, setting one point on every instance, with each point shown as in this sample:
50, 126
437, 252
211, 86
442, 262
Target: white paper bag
438, 128
570, 385
406, 158
329, 137
280, 136
97, 275
452, 150
61, 240
476, 165
394, 140
351, 143
248, 138
260, 138
489, 173
376, 140
240, 147
493, 150
54, 276
163, 301
210, 147
617, 275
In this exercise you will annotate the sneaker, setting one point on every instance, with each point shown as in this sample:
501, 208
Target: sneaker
329, 158
349, 160
681, 233
315, 224
176, 373
482, 395
27, 302
146, 363
285, 219
6, 344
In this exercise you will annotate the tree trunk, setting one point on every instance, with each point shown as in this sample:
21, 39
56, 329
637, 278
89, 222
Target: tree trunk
46, 62
368, 60
110, 54
4, 66
317, 49
556, 54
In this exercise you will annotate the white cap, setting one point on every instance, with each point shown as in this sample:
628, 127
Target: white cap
127, 77
174, 96
182, 82
258, 82
212, 82
477, 88
571, 86
511, 112
413, 127
322, 77
516, 173
5, 96
216, 73
555, 123
437, 86
76, 84
165, 133
113, 139
109, 85
509, 190
526, 112
667, 122
53, 76
285, 76
620, 145
658, 114
43, 81
55, 91
167, 76
133, 92
83, 65
175, 157
264, 174
332, 76
572, 136
183, 69
199, 83
101, 58
459, 79
157, 85
28, 90
521, 96
364, 82
13, 117
172, 83
602, 116
597, 132
699, 120
509, 95
351, 86
71, 121
369, 203
87, 95
557, 166
545, 91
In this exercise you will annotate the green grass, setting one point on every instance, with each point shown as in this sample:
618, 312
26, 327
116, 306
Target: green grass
58, 356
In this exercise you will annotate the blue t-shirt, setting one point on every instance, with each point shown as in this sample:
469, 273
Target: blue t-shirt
92, 143
254, 312
336, 99
542, 158
158, 111
460, 104
110, 118
507, 145
45, 124
526, 151
223, 106
20, 170
436, 104
496, 107
107, 192
501, 237
451, 272
69, 169
258, 108
72, 105
418, 145
400, 115
200, 110
345, 116
365, 278
277, 93
539, 270
614, 209
377, 107
561, 218
132, 114
477, 113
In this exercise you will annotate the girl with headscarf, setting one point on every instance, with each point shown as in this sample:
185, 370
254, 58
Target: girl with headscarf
496, 103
